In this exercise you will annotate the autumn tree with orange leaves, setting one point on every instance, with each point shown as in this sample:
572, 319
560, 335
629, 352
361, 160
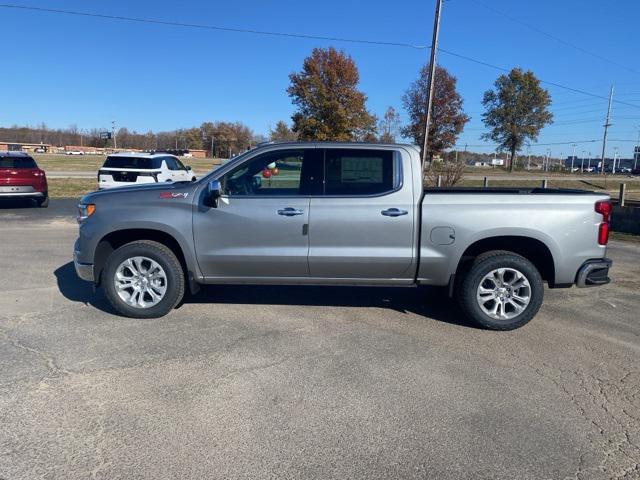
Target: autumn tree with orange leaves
329, 104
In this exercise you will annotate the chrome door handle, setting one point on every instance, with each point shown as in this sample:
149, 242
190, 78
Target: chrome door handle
393, 212
290, 212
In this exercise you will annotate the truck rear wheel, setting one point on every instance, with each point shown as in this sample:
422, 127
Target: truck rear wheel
501, 291
143, 279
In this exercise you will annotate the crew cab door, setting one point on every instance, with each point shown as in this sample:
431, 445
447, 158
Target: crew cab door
362, 226
259, 230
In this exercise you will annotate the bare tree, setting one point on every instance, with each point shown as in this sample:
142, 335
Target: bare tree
389, 126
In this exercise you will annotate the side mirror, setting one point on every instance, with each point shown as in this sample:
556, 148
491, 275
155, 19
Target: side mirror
188, 167
212, 194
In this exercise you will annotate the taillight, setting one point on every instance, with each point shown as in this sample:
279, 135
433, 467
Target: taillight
604, 208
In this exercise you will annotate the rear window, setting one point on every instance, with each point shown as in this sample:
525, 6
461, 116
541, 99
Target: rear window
358, 172
139, 163
17, 162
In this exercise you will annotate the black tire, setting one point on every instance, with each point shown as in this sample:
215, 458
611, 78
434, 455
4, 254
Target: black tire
467, 289
43, 202
165, 258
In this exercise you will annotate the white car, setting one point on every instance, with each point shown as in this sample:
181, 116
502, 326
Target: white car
74, 152
127, 169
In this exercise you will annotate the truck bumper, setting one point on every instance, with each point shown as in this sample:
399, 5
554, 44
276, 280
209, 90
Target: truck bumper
83, 270
594, 273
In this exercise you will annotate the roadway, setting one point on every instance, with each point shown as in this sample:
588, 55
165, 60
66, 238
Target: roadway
307, 382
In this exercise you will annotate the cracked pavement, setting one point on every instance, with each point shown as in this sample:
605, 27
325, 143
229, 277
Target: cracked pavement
307, 382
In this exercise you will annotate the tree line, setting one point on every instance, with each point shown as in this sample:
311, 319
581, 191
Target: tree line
330, 106
226, 138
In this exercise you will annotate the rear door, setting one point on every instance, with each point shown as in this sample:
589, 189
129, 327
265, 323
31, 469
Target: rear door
259, 230
173, 172
182, 174
362, 226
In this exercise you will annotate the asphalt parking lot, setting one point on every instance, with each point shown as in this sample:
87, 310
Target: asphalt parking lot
307, 382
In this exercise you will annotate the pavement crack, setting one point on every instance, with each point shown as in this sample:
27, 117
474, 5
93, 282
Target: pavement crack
55, 370
600, 400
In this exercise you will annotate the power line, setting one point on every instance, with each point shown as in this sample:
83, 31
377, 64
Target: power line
538, 144
291, 35
572, 102
553, 37
561, 143
213, 27
562, 112
502, 69
579, 121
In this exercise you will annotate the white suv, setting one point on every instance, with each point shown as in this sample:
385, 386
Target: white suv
126, 169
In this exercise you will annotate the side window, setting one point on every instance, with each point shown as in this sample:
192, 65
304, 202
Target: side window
179, 164
171, 163
358, 172
283, 172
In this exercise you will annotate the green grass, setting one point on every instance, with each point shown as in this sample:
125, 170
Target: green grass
71, 187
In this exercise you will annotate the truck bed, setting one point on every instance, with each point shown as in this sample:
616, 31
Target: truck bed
510, 191
560, 223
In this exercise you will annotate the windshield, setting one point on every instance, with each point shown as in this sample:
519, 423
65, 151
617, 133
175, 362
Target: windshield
17, 162
140, 163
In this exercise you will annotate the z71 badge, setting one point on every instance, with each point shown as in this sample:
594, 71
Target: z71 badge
172, 195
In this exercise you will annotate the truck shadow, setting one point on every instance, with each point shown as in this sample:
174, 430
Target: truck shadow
430, 302
76, 290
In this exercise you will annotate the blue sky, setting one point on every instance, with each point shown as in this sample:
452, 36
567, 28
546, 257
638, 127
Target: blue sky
86, 71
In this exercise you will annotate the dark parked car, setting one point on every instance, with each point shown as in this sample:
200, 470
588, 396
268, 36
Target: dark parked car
20, 177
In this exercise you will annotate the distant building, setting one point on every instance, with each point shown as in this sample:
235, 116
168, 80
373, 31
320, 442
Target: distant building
26, 147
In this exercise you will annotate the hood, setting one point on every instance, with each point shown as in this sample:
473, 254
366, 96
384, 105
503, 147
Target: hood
135, 191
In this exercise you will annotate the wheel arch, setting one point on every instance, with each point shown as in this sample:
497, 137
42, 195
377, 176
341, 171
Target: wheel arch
534, 250
116, 239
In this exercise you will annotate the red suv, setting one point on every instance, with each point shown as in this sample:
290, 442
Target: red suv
20, 177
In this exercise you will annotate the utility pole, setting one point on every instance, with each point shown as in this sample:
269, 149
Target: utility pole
615, 157
636, 151
589, 165
548, 158
573, 156
607, 124
432, 74
528, 158
582, 161
113, 134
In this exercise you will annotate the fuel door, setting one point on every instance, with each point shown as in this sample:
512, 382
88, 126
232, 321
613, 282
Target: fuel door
443, 235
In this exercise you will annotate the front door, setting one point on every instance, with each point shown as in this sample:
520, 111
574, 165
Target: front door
362, 227
259, 229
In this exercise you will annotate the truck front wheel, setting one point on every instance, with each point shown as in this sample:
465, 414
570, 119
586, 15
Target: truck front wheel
501, 291
143, 279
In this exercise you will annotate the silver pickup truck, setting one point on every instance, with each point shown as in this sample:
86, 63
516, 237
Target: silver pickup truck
340, 214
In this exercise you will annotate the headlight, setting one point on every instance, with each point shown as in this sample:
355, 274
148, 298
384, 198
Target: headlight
85, 210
